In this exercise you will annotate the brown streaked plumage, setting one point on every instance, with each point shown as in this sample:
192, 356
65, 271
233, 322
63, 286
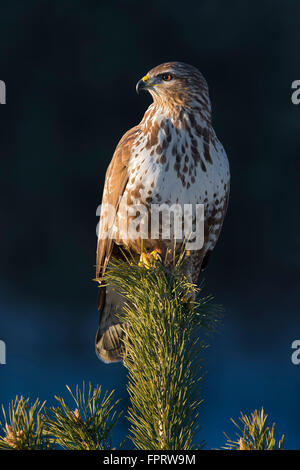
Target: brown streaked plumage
172, 156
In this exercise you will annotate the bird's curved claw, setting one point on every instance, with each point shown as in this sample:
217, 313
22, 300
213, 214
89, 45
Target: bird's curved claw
149, 259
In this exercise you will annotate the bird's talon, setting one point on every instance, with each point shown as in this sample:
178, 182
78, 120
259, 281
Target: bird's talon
149, 259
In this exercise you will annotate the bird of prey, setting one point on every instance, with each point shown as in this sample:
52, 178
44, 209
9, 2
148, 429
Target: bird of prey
172, 156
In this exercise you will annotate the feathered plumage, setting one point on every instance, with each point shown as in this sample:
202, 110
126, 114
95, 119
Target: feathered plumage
172, 157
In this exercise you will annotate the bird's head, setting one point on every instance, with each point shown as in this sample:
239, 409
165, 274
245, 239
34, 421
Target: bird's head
176, 84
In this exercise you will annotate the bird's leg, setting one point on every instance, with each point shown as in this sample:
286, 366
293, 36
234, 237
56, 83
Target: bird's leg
149, 259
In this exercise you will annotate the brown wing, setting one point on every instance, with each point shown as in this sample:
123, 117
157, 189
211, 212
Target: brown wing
115, 183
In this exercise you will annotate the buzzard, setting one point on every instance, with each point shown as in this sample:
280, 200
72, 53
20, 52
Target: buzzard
172, 156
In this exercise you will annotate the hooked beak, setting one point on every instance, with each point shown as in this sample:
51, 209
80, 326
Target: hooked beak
143, 84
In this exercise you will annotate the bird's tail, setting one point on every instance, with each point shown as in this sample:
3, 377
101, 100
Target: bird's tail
109, 346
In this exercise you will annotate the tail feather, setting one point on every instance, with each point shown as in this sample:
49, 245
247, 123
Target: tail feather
109, 346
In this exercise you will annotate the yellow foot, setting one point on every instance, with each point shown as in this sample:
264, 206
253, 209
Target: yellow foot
149, 259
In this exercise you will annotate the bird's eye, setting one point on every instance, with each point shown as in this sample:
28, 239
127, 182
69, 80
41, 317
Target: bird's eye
166, 77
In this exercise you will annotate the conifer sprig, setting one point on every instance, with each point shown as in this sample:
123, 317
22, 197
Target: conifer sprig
163, 352
24, 426
161, 324
89, 424
254, 433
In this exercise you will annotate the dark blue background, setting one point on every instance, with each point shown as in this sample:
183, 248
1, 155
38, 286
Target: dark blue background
70, 68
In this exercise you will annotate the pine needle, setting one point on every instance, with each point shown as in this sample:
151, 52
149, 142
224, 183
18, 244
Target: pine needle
163, 352
254, 433
89, 424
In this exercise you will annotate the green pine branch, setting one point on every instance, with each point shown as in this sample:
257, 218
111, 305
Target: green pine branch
254, 433
88, 425
163, 352
163, 356
24, 426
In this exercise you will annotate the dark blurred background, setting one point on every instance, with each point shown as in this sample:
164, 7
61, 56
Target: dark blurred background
70, 69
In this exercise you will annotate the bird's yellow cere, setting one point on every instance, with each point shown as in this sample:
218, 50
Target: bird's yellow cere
145, 78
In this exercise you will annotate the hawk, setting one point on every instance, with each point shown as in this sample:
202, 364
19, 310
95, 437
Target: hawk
172, 156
